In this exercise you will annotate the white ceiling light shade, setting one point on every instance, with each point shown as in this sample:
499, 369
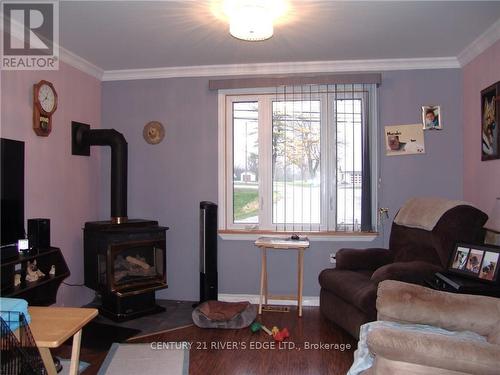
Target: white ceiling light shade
251, 23
252, 20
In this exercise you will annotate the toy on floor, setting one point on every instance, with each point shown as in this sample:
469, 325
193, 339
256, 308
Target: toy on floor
256, 327
275, 332
281, 335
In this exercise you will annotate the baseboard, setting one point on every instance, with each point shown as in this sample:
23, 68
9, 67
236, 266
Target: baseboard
254, 299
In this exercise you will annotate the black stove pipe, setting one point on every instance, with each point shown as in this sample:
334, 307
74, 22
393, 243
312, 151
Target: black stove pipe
119, 162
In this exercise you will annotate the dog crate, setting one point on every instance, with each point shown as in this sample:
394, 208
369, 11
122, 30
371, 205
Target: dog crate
18, 349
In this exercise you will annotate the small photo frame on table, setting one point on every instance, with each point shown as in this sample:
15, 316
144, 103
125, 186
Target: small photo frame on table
479, 262
490, 121
431, 117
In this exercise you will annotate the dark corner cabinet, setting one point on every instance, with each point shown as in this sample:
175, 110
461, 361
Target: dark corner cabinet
42, 292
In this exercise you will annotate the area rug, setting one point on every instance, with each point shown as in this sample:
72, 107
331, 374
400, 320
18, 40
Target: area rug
146, 359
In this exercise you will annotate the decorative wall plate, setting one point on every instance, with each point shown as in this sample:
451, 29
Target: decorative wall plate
153, 132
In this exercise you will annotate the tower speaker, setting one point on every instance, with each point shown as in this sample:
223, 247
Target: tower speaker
39, 234
208, 251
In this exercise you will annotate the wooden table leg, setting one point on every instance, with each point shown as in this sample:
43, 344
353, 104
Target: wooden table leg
266, 290
300, 273
262, 276
48, 361
75, 354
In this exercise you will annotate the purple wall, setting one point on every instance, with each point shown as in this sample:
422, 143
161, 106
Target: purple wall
481, 178
59, 186
167, 181
439, 171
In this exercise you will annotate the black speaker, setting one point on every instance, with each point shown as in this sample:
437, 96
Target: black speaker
39, 234
208, 251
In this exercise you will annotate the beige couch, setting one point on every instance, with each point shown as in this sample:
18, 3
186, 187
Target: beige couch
397, 352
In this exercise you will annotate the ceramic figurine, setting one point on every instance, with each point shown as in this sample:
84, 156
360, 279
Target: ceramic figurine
52, 271
33, 273
17, 279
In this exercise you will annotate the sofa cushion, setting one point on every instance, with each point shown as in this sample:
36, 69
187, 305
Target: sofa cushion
435, 351
354, 287
411, 272
399, 301
363, 259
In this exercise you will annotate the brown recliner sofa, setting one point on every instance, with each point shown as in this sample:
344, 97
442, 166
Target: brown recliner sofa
349, 291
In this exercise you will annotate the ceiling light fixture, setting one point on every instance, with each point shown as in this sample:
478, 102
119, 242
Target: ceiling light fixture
252, 20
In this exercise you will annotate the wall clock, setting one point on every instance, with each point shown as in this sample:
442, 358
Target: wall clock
44, 106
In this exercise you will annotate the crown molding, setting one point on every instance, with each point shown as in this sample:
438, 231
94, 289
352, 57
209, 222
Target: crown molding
478, 46
282, 68
80, 63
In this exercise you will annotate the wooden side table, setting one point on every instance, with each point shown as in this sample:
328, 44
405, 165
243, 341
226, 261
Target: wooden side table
270, 243
52, 326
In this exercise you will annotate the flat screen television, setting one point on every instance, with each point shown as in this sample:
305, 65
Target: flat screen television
12, 191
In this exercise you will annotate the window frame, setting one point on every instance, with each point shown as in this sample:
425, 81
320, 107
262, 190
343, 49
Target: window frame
230, 230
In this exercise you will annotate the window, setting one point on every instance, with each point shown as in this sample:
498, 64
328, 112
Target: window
298, 159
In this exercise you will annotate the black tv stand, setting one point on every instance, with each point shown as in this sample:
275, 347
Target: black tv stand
42, 292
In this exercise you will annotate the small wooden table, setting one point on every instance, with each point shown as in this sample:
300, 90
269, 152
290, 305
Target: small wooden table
52, 326
265, 243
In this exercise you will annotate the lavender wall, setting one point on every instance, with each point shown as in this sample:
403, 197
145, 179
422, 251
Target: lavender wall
481, 179
437, 173
59, 186
168, 180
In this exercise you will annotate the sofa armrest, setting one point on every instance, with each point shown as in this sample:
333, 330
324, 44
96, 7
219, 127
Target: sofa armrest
411, 272
362, 259
434, 350
403, 302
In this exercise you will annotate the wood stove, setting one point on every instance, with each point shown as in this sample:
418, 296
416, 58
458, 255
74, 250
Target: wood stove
124, 260
125, 263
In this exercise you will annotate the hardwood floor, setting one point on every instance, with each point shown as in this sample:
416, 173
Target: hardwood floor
243, 352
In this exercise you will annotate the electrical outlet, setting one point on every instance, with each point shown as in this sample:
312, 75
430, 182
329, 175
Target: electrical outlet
333, 260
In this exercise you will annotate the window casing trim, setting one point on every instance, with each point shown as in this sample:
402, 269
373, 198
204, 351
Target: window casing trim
225, 225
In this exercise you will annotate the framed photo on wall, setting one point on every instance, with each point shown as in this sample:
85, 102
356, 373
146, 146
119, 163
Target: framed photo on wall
431, 117
490, 120
404, 140
476, 261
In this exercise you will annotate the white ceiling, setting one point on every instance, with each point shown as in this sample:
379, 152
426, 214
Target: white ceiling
150, 34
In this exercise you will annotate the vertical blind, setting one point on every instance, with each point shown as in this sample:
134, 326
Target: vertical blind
321, 151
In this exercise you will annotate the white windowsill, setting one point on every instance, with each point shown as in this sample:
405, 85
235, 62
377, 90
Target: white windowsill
238, 235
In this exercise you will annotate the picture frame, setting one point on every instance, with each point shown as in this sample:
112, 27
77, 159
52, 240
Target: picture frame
431, 117
404, 139
490, 121
478, 262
